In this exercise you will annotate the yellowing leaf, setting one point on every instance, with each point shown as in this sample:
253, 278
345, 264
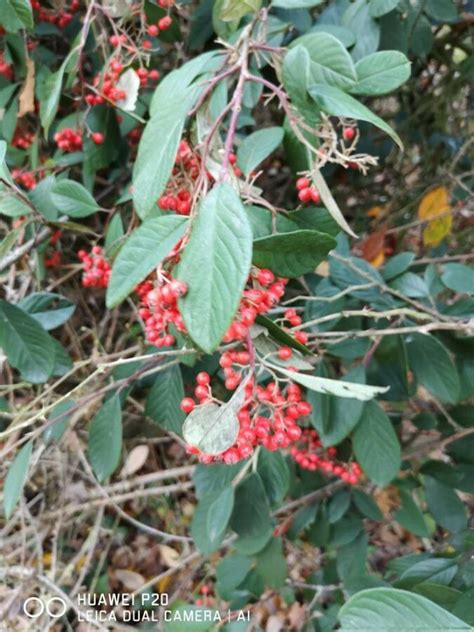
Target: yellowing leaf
375, 211
435, 206
378, 260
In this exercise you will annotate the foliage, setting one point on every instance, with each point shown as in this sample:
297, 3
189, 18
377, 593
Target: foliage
237, 309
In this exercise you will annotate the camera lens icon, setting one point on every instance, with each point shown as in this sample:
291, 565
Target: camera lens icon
34, 607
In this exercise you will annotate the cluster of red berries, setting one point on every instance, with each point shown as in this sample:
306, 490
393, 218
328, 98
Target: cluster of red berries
6, 70
96, 268
59, 18
68, 139
166, 4
309, 454
106, 86
53, 257
307, 192
147, 75
159, 309
162, 25
268, 416
207, 598
177, 196
25, 179
22, 139
237, 170
292, 317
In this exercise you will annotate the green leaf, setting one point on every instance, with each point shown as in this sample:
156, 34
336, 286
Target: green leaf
170, 105
52, 94
275, 475
55, 431
367, 31
146, 247
16, 478
219, 514
11, 205
435, 570
337, 103
26, 344
351, 561
230, 572
366, 505
330, 203
296, 4
210, 479
212, 428
251, 515
292, 254
442, 10
211, 518
433, 367
331, 64
256, 147
410, 516
445, 505
458, 277
377, 8
296, 73
164, 398
333, 387
280, 334
105, 438
73, 199
50, 310
42, 200
388, 609
271, 564
114, 235
411, 284
335, 419
215, 266
234, 10
376, 446
397, 264
16, 15
381, 72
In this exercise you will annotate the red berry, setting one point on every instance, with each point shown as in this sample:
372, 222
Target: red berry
303, 183
97, 138
265, 277
285, 353
165, 23
305, 195
348, 133
315, 197
187, 405
203, 378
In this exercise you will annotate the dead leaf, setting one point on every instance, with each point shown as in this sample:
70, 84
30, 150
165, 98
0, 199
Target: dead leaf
435, 205
373, 247
26, 101
130, 579
169, 556
387, 499
135, 460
